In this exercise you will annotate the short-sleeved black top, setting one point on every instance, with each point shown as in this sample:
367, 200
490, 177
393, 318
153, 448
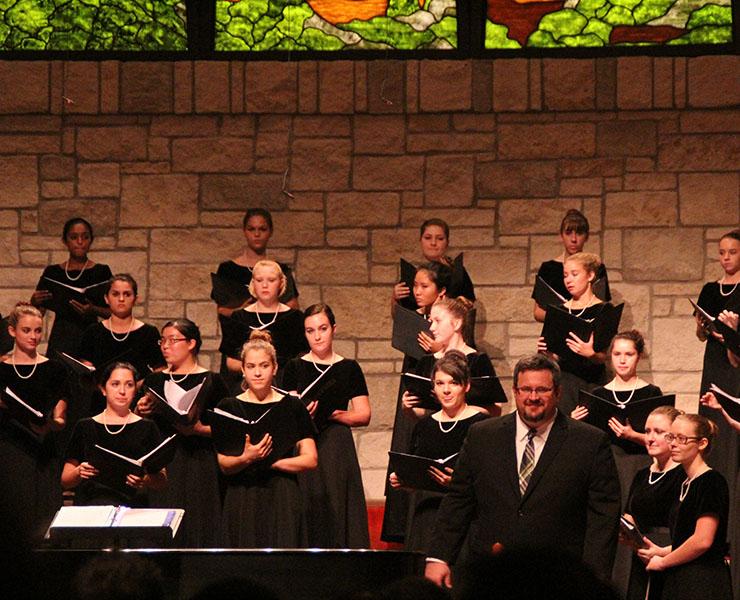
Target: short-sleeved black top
140, 348
234, 272
650, 503
43, 389
552, 273
429, 439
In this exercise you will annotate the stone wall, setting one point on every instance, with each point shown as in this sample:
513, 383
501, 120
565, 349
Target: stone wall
164, 157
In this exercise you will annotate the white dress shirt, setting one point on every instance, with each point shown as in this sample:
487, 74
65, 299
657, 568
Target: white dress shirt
522, 432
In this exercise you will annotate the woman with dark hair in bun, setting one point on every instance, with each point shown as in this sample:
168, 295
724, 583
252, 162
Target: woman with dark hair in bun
118, 429
193, 479
333, 494
72, 318
439, 435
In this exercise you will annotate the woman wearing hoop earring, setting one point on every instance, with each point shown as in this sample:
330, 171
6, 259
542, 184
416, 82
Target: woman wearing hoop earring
121, 337
193, 478
29, 464
118, 429
439, 435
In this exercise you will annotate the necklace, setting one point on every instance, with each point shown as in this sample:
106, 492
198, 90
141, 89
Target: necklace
443, 430
583, 310
105, 423
722, 282
185, 376
33, 370
652, 481
125, 335
685, 488
319, 369
259, 319
66, 272
623, 403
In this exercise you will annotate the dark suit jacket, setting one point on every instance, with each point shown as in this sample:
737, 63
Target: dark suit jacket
572, 501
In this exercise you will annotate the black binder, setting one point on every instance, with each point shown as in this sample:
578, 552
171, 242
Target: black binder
729, 403
323, 390
407, 324
75, 364
545, 294
184, 409
23, 414
559, 322
637, 411
632, 533
227, 292
62, 293
714, 325
413, 471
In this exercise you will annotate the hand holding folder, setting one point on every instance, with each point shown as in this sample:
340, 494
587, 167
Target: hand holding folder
560, 324
407, 325
415, 471
600, 410
727, 336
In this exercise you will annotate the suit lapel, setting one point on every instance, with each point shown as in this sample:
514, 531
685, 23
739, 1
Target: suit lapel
509, 453
558, 434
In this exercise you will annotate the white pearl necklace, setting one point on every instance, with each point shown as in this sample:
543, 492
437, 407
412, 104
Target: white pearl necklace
332, 360
623, 403
66, 272
184, 377
652, 481
33, 370
112, 333
569, 304
259, 319
105, 423
722, 282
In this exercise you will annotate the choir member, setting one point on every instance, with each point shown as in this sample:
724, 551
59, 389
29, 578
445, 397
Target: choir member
430, 284
262, 505
29, 467
257, 227
121, 337
193, 477
439, 435
72, 317
582, 366
716, 298
447, 318
117, 429
333, 494
574, 232
650, 498
694, 562
267, 313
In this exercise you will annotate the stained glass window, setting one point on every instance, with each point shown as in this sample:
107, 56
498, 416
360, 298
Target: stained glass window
258, 25
597, 23
119, 25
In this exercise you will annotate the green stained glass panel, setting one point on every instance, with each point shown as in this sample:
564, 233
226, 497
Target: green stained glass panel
258, 25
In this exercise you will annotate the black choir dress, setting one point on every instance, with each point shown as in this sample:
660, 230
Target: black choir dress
263, 506
69, 325
333, 494
241, 274
706, 577
578, 372
134, 439
432, 439
193, 479
650, 500
30, 470
552, 273
139, 347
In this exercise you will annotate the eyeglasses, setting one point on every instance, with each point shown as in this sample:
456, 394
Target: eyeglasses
169, 341
538, 391
680, 438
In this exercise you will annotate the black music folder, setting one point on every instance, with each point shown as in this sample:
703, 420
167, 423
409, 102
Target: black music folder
176, 405
322, 390
637, 411
545, 294
726, 401
227, 292
407, 325
413, 471
23, 414
62, 293
632, 533
458, 273
115, 467
559, 323
75, 364
731, 338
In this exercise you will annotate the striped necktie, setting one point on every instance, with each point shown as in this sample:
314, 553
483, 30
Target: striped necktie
527, 465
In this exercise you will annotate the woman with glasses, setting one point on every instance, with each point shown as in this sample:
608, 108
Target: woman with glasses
694, 561
650, 498
193, 480
121, 337
439, 435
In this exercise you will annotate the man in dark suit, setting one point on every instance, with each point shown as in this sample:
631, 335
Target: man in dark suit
531, 479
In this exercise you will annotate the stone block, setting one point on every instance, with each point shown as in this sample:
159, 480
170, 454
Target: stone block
379, 134
455, 217
185, 282
209, 246
569, 84
709, 121
384, 274
373, 449
388, 173
650, 181
297, 229
101, 213
8, 219
592, 167
212, 86
274, 144
159, 200
612, 254
497, 267
445, 85
383, 390
144, 167
29, 82
34, 258
29, 221
581, 186
183, 126
321, 164
28, 143
390, 244
357, 312
428, 123
167, 309
636, 298
333, 266
126, 142
347, 238
336, 87
450, 142
109, 89
510, 85
98, 179
662, 307
711, 83
271, 87
212, 155
634, 82
147, 87
18, 181
373, 483
355, 209
133, 238
641, 209
475, 238
242, 191
449, 180
57, 189
503, 304
708, 198
516, 179
30, 123
307, 201
81, 86
650, 254
237, 125
626, 138
320, 126
548, 140
377, 350
20, 277
204, 314
54, 167
675, 347
412, 199
9, 247
474, 122
135, 262
699, 152
533, 216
